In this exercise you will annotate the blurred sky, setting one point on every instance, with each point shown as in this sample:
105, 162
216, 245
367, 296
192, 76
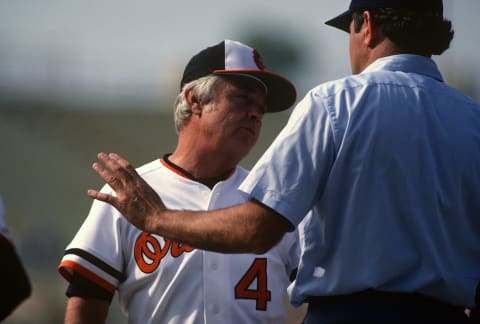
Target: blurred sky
115, 50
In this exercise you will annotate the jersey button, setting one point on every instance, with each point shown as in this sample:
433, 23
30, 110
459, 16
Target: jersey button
214, 266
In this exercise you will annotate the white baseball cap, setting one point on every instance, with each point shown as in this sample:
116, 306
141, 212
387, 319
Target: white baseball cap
234, 58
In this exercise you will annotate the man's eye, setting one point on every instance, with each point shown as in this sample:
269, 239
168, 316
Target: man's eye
243, 98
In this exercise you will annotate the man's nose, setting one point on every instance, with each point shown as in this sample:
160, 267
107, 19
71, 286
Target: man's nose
256, 111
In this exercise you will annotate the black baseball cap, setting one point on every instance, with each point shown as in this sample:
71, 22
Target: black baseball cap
343, 20
235, 58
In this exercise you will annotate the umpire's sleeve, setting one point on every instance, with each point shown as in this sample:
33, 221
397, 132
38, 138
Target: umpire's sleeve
14, 281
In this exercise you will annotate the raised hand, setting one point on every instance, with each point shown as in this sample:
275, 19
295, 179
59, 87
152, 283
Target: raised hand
133, 198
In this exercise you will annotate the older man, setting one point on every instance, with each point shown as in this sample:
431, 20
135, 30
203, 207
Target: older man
225, 91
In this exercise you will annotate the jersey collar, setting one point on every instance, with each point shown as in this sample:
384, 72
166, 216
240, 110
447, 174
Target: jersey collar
209, 182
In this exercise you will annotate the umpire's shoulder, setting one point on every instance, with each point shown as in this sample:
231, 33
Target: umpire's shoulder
335, 87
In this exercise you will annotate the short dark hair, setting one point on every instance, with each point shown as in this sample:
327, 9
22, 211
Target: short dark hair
422, 33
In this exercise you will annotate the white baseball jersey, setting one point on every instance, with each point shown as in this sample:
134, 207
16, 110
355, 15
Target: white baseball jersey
160, 281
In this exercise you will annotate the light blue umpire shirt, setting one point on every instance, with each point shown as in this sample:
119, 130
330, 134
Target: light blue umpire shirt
389, 162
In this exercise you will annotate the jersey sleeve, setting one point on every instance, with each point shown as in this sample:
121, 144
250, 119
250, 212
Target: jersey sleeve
292, 173
85, 288
14, 280
96, 250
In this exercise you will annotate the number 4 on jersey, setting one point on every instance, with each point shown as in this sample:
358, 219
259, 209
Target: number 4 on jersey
258, 271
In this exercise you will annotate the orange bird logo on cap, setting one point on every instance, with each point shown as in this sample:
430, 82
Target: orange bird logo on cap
258, 60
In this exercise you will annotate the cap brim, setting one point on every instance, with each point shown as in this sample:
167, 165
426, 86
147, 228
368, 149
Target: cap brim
341, 21
281, 92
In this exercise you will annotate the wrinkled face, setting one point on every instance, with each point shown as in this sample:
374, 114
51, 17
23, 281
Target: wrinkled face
232, 121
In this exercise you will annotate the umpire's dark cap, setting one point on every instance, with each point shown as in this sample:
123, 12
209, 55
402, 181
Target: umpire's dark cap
234, 58
343, 20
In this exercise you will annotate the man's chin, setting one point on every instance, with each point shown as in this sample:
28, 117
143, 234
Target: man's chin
245, 143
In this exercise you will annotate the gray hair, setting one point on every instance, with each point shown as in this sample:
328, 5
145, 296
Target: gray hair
203, 88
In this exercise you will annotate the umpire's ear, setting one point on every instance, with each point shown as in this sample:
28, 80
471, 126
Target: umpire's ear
193, 102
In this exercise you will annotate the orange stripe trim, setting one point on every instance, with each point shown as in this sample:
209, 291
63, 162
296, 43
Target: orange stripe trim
165, 164
183, 175
62, 269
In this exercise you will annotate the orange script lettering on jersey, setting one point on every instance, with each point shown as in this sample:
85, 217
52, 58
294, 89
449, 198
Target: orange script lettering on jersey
149, 253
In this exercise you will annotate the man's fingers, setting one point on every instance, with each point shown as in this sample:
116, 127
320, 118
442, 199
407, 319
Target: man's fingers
119, 167
106, 176
102, 197
122, 162
109, 162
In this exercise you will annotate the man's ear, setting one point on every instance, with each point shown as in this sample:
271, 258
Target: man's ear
370, 31
193, 102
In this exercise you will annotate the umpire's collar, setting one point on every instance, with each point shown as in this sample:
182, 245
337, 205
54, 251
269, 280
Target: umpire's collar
407, 63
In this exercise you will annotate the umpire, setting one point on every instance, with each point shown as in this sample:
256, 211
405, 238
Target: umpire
435, 220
